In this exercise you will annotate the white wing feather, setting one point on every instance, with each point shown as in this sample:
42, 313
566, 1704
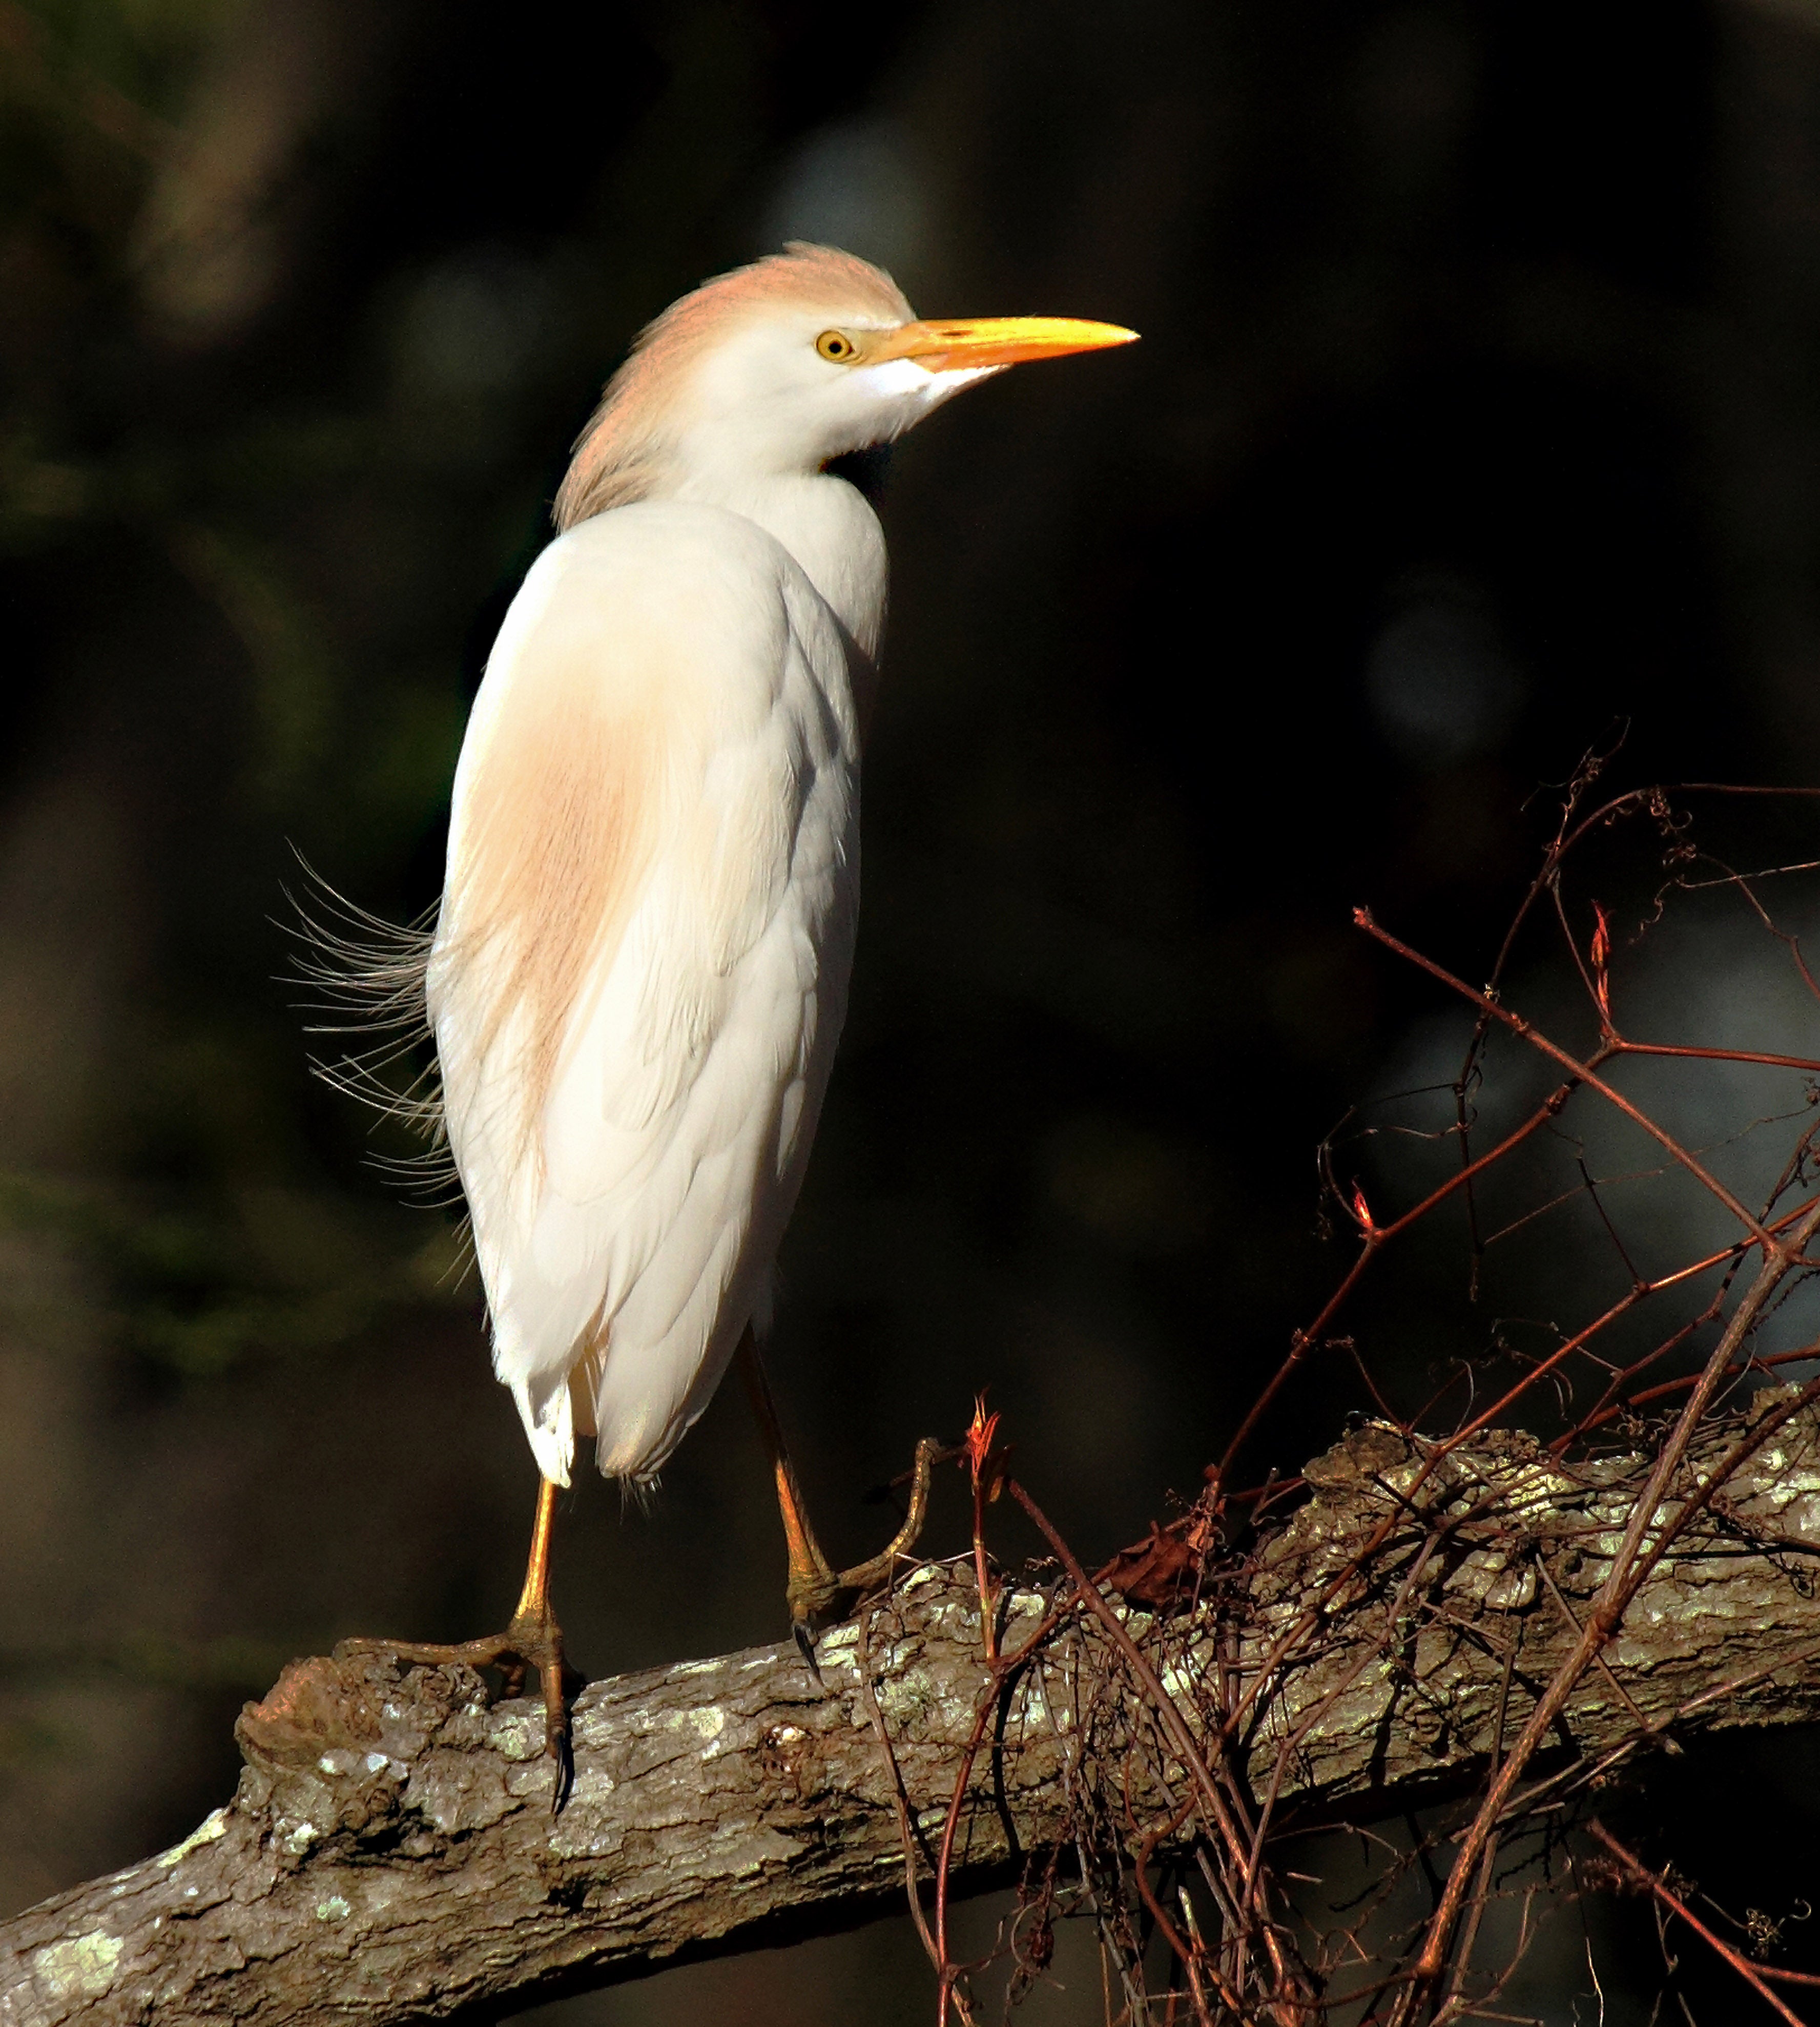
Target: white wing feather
627, 1238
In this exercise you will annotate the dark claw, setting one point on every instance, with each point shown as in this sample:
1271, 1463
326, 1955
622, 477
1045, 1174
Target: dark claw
806, 1645
556, 1676
557, 1748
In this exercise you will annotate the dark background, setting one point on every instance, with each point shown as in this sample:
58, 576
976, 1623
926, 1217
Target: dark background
1478, 407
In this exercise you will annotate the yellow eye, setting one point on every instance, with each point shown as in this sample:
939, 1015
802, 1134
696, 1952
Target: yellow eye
835, 344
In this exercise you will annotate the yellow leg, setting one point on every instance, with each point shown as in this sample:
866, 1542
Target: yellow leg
533, 1607
817, 1594
532, 1640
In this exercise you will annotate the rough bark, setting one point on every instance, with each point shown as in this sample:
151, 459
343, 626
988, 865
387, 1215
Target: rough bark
390, 1856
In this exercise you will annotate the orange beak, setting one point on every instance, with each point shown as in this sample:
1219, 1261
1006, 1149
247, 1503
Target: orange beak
942, 345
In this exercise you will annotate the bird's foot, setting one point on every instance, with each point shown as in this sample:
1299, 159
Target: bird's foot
533, 1640
820, 1597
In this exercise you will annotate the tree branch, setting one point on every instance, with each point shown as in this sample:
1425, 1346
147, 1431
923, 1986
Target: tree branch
389, 1855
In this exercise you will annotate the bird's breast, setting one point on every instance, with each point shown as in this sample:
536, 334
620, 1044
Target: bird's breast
669, 702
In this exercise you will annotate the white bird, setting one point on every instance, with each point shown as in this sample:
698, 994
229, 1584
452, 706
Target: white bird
639, 967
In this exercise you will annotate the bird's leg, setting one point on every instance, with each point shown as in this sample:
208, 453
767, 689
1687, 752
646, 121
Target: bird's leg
817, 1594
532, 1640
812, 1585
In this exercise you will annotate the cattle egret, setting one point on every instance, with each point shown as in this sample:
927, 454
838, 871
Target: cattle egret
639, 965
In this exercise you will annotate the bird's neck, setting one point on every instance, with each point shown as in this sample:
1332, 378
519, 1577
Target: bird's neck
827, 526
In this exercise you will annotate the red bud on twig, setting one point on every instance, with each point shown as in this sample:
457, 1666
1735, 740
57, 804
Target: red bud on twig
987, 1464
987, 1468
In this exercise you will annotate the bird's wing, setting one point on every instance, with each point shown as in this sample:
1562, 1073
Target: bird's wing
641, 967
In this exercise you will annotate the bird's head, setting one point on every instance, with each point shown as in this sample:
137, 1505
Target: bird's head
776, 368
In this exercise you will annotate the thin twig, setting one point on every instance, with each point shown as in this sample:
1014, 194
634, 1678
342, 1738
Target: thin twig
1663, 1892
